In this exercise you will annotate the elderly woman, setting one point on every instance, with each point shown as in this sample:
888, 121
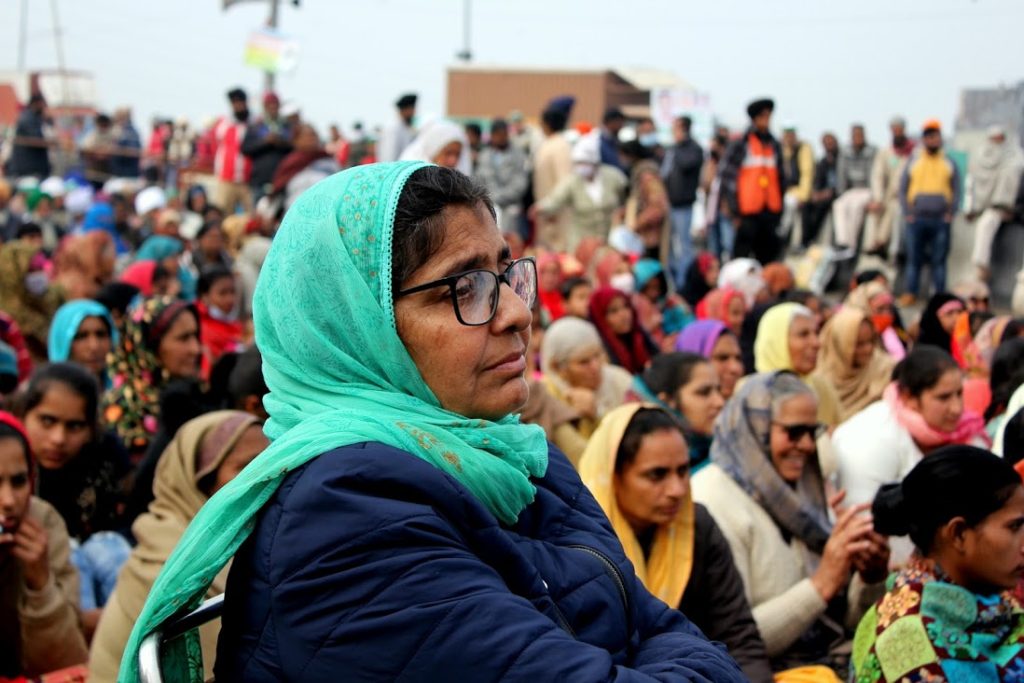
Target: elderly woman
39, 619
403, 523
443, 143
577, 372
852, 362
876, 301
638, 468
205, 454
765, 490
950, 616
787, 339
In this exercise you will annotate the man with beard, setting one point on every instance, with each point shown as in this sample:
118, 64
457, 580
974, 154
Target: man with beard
231, 167
395, 138
884, 208
992, 181
752, 185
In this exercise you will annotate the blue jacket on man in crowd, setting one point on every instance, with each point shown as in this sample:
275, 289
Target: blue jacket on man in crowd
406, 576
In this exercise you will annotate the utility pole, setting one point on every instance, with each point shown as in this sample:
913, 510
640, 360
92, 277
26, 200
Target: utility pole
22, 31
269, 76
466, 54
59, 40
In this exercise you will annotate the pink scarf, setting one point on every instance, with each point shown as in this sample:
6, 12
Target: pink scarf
970, 426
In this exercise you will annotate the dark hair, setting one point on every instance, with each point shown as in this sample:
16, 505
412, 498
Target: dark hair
669, 372
554, 119
210, 275
1007, 374
800, 296
419, 223
922, 368
686, 122
474, 128
117, 296
869, 275
246, 377
498, 124
954, 481
571, 284
28, 230
71, 375
613, 114
976, 319
644, 422
1013, 438
1014, 329
208, 225
9, 432
103, 120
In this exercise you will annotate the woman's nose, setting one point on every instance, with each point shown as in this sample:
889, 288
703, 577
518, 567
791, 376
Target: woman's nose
512, 311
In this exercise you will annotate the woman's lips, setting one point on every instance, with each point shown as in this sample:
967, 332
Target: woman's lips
512, 364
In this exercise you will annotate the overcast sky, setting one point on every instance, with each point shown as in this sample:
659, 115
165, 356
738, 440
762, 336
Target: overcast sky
826, 62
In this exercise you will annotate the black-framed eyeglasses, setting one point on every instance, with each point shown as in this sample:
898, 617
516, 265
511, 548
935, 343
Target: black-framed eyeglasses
475, 292
796, 432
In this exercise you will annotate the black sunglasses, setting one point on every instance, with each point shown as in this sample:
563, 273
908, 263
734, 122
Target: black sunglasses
796, 432
475, 293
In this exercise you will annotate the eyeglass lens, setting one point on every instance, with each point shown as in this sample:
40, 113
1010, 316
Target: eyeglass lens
476, 293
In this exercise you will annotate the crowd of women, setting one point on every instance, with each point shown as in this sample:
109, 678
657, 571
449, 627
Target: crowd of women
579, 475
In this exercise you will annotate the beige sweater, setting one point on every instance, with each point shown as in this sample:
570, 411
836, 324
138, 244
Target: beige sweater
51, 633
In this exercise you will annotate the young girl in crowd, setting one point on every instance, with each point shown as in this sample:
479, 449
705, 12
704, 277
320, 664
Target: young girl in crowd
219, 327
160, 342
701, 278
949, 615
686, 384
576, 293
81, 472
920, 411
627, 345
939, 319
764, 488
713, 340
204, 455
661, 313
852, 362
725, 305
39, 619
83, 332
637, 464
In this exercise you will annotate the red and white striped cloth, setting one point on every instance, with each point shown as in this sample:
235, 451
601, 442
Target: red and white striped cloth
229, 163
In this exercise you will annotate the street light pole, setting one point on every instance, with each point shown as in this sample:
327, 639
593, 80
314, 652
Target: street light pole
466, 54
268, 76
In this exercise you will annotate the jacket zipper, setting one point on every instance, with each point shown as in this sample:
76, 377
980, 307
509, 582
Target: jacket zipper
562, 621
620, 581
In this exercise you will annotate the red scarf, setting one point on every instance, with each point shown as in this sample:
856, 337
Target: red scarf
628, 350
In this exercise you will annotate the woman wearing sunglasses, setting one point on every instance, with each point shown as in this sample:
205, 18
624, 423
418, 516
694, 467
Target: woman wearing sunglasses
403, 524
920, 411
765, 491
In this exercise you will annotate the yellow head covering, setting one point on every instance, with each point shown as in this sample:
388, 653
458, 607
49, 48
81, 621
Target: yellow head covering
771, 347
667, 571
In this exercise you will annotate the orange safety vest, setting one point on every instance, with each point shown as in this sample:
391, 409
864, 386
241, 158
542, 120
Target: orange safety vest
758, 188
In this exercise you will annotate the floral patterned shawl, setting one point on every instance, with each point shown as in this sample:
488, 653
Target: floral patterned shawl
926, 628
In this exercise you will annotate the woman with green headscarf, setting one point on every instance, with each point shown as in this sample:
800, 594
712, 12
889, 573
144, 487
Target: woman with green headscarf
403, 523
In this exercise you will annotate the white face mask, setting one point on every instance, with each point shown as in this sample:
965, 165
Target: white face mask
624, 282
586, 171
217, 314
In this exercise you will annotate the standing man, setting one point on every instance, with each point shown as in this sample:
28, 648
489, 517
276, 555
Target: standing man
680, 171
551, 165
930, 193
267, 142
823, 191
797, 179
886, 172
853, 188
124, 163
396, 137
502, 169
232, 168
611, 124
992, 181
97, 146
30, 155
752, 185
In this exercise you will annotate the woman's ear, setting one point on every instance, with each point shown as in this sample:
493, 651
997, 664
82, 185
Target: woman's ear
911, 401
954, 534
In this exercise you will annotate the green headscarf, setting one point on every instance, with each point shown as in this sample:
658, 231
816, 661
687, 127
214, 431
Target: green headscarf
338, 374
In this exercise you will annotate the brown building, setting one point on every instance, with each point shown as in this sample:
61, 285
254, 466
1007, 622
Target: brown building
483, 92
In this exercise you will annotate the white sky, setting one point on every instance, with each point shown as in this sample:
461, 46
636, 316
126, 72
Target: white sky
826, 63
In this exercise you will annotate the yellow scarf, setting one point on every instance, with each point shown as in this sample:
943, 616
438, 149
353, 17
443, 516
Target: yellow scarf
667, 571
